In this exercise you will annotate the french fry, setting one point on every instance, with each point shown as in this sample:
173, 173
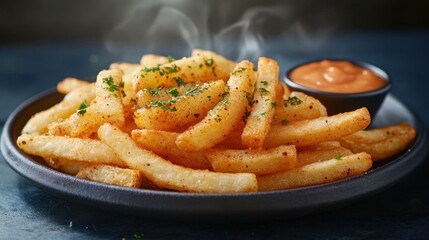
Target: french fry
153, 60
297, 107
264, 104
317, 173
38, 123
167, 175
185, 70
328, 145
67, 166
262, 161
163, 144
126, 68
106, 107
111, 175
222, 62
181, 110
381, 143
69, 84
145, 96
219, 121
312, 156
63, 147
310, 132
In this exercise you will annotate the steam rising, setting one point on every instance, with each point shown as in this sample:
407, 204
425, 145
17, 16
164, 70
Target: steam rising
159, 24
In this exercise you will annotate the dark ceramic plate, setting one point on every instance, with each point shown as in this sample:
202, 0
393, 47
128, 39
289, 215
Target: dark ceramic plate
284, 203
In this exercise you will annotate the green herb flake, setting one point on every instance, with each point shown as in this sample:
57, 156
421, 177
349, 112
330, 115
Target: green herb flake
111, 86
284, 122
239, 70
225, 94
138, 235
273, 105
152, 69
173, 92
265, 83
170, 59
153, 91
192, 90
263, 90
263, 114
292, 101
82, 108
339, 157
174, 109
209, 62
179, 81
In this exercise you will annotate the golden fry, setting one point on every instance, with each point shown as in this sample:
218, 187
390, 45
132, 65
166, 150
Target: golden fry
63, 147
253, 161
163, 144
297, 107
264, 104
310, 132
312, 156
181, 110
107, 107
167, 175
381, 143
317, 173
69, 84
69, 105
111, 175
185, 70
219, 121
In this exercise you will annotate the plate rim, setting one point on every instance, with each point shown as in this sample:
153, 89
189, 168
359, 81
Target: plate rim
202, 203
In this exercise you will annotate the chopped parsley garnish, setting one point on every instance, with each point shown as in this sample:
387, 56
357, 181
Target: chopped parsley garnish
170, 59
162, 70
153, 91
179, 81
166, 105
292, 101
191, 90
82, 108
263, 114
239, 70
173, 92
284, 122
208, 62
339, 157
273, 105
263, 90
265, 83
111, 86
152, 69
225, 94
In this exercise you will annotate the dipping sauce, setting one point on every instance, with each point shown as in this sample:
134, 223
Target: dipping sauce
336, 77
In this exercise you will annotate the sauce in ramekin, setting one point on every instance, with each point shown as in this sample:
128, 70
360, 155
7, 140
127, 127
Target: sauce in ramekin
337, 77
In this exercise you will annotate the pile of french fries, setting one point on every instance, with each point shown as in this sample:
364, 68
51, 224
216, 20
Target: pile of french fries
203, 124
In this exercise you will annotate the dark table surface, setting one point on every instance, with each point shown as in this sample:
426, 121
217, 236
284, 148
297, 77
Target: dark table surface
401, 212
